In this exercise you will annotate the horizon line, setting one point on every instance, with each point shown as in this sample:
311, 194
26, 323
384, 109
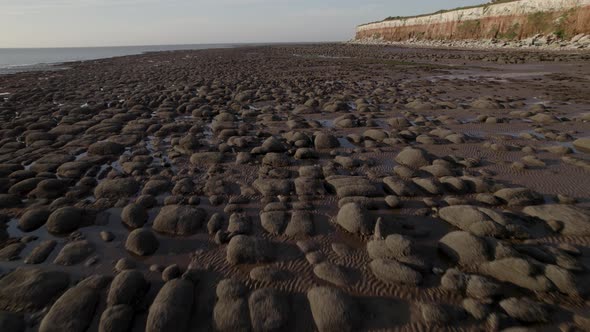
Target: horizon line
181, 44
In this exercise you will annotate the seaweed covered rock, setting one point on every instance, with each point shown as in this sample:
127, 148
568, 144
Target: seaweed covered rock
179, 220
30, 289
355, 219
142, 242
73, 311
464, 248
116, 188
249, 249
172, 307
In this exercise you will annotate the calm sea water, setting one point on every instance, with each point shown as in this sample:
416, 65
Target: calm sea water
14, 60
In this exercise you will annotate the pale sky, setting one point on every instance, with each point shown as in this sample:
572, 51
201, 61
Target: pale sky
62, 23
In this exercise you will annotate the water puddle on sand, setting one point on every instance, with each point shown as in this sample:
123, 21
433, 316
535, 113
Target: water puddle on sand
536, 101
15, 232
28, 166
491, 77
149, 145
521, 134
469, 120
102, 173
208, 132
518, 134
379, 123
567, 145
328, 123
183, 118
332, 57
473, 78
158, 152
116, 165
345, 143
81, 155
475, 134
319, 56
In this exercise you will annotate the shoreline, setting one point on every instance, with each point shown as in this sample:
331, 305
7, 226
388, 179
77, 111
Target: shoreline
52, 66
141, 49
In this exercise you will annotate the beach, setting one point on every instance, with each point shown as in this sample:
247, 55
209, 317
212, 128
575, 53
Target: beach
298, 188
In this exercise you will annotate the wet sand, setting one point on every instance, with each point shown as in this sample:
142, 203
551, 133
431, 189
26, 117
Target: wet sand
414, 189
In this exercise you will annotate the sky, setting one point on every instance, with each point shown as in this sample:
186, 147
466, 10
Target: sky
83, 23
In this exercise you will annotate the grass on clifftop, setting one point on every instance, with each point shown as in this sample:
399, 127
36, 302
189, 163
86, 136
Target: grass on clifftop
392, 18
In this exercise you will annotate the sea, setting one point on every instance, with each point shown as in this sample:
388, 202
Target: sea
14, 60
